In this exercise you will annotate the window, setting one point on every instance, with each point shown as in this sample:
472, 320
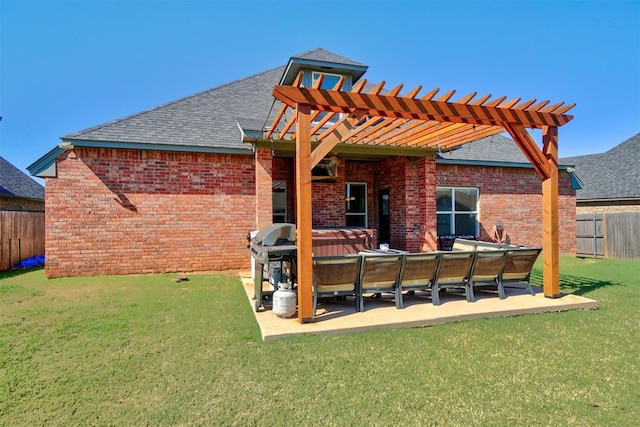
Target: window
279, 199
457, 210
328, 83
356, 204
329, 80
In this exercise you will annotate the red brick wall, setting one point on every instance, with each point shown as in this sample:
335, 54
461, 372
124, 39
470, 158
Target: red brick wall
514, 196
412, 199
421, 206
127, 211
327, 196
263, 182
327, 200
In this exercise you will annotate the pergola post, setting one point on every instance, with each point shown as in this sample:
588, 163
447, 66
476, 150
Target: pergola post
550, 251
304, 223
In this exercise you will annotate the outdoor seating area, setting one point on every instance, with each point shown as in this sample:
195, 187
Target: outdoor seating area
469, 267
338, 315
390, 277
390, 288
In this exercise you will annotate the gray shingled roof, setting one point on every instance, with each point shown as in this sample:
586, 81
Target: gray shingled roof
14, 182
213, 118
205, 119
610, 175
495, 148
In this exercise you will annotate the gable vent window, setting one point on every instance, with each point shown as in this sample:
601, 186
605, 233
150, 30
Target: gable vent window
328, 83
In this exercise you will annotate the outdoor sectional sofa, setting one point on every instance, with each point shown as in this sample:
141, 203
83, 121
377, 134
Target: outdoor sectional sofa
470, 265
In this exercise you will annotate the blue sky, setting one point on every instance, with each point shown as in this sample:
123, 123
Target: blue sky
69, 65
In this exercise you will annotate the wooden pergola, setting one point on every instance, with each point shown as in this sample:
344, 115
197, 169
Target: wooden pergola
388, 119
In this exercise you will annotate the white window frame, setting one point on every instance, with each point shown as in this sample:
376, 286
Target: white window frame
452, 213
366, 202
273, 213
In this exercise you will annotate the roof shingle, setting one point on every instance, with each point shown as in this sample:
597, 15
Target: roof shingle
495, 148
204, 119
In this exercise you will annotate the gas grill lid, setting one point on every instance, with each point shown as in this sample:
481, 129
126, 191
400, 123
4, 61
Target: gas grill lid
276, 235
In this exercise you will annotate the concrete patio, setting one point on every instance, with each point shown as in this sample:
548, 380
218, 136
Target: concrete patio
335, 317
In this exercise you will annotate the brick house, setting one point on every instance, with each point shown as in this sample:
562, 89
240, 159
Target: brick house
177, 187
18, 192
21, 216
608, 204
611, 180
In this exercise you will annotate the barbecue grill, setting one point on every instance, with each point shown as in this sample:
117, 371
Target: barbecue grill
275, 244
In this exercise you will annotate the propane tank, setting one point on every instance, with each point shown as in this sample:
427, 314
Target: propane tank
284, 300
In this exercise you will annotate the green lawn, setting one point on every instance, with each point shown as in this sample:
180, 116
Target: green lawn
143, 350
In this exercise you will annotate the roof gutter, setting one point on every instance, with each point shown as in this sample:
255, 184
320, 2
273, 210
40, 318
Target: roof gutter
627, 200
493, 163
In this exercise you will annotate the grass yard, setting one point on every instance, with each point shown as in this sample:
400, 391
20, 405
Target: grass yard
143, 350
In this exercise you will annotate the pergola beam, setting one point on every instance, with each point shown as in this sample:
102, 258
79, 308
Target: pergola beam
416, 109
329, 143
529, 148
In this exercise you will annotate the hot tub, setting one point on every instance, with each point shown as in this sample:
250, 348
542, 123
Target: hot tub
342, 241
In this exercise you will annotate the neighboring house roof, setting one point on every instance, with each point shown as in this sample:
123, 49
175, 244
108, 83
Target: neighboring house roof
614, 174
14, 182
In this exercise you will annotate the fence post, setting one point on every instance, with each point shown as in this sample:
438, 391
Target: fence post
595, 236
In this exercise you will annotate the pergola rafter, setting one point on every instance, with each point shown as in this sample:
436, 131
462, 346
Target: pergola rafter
388, 119
417, 109
374, 118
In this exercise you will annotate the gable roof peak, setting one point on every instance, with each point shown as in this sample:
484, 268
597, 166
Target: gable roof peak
321, 60
321, 54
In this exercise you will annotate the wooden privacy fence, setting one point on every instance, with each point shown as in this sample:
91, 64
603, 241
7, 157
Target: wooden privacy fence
609, 235
21, 237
